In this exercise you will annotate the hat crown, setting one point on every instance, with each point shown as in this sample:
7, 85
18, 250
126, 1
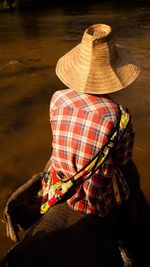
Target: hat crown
98, 44
100, 31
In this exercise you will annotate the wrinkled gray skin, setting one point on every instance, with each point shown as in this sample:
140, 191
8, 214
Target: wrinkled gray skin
64, 237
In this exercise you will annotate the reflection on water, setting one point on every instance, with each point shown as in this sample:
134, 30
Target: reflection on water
30, 45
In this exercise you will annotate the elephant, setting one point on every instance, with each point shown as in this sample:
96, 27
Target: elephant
65, 237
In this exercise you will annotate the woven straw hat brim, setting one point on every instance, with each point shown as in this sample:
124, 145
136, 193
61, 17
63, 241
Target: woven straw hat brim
76, 72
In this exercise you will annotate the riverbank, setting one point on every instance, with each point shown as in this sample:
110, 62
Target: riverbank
6, 5
17, 4
22, 4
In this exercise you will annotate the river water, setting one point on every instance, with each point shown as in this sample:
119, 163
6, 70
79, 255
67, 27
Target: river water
30, 45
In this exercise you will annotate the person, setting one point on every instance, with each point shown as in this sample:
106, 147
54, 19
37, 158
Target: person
83, 119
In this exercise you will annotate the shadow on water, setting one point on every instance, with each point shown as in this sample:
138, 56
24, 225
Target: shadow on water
30, 45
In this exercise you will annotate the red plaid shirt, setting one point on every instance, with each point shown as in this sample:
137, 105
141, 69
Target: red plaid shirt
81, 124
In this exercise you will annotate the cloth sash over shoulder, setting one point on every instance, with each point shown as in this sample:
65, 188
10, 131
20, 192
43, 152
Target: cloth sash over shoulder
53, 193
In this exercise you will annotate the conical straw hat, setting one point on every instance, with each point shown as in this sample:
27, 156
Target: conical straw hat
97, 65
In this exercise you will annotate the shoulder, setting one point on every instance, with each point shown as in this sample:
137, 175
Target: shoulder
59, 98
59, 94
105, 107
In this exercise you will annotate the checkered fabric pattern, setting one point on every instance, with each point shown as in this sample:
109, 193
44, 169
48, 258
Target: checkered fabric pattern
81, 124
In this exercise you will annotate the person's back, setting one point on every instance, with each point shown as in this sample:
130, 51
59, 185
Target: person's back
81, 125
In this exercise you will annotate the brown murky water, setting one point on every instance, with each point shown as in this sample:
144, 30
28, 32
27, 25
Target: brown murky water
30, 45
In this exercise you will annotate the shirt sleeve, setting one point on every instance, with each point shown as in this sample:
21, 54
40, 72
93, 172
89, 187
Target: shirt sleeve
123, 151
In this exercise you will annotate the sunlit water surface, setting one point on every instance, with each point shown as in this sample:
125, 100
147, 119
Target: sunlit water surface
30, 45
